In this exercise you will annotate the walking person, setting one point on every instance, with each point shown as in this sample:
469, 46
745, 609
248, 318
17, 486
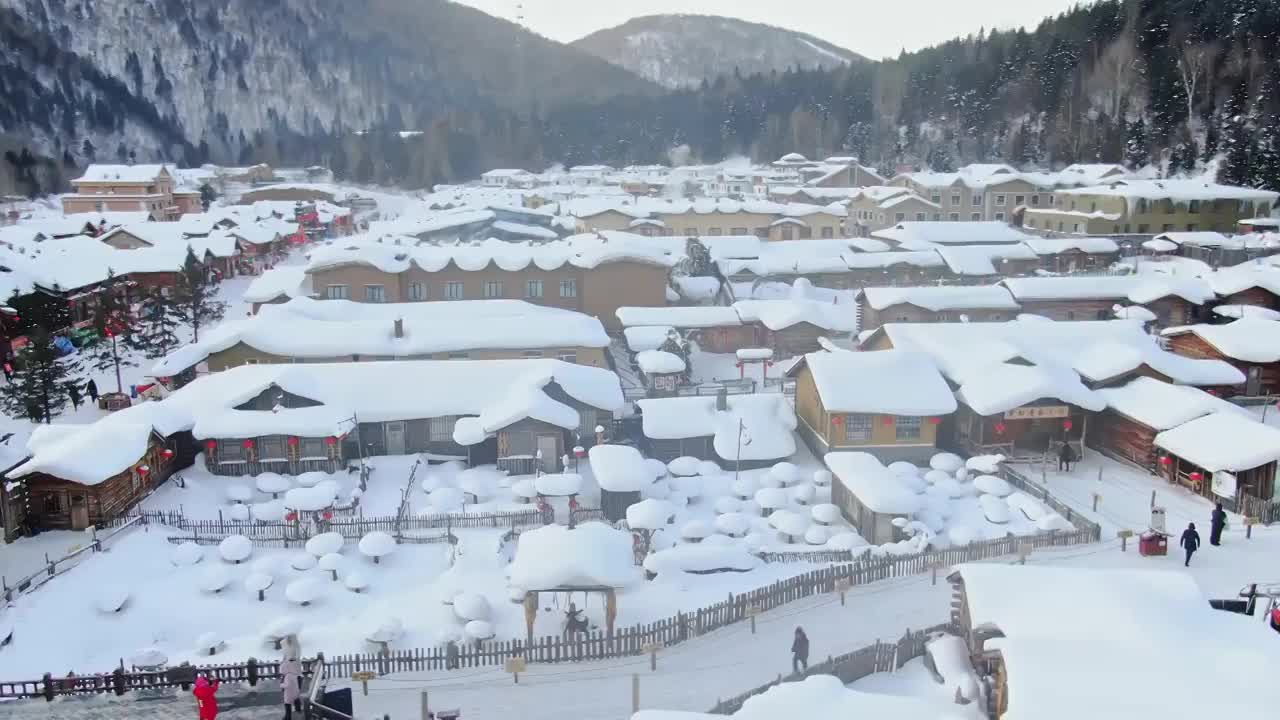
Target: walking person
73, 391
1066, 456
1217, 523
800, 652
92, 389
290, 681
1190, 541
206, 701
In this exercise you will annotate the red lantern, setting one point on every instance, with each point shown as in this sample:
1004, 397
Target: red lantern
1166, 460
143, 470
579, 452
327, 515
935, 420
1066, 425
167, 454
886, 420
248, 444
1196, 477
1000, 428
837, 419
293, 441
291, 516
211, 445
331, 440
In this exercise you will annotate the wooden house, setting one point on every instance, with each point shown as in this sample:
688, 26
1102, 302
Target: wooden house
888, 403
869, 496
735, 431
1174, 301
622, 474
1253, 283
714, 329
1251, 344
1138, 411
793, 326
955, 303
1224, 456
1074, 254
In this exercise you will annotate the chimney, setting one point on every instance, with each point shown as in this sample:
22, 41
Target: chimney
722, 400
398, 328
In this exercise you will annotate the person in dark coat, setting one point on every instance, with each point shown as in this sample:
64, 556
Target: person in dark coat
1190, 541
92, 389
73, 391
451, 659
800, 651
1066, 456
1217, 523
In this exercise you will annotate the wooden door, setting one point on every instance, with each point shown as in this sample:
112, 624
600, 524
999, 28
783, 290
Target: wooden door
549, 448
395, 438
79, 512
1253, 385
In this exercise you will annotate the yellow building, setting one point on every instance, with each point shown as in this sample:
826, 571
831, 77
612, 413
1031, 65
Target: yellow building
1150, 207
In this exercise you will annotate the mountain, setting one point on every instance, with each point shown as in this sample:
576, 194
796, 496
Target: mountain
679, 51
192, 80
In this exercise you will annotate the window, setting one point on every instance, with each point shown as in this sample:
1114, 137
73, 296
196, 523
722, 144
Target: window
568, 288
417, 291
453, 291
691, 232
935, 198
715, 231
375, 294
531, 354
976, 200
1000, 217
55, 504
1000, 200
1093, 207
899, 217
533, 289
787, 233
1059, 226
1019, 200
1031, 223
857, 427
337, 292
440, 429
1191, 227
828, 232
271, 448
762, 233
806, 233
738, 231
1075, 227
1166, 228
920, 217
1194, 207
954, 217
1143, 228
1141, 206
569, 357
1103, 315
459, 356
975, 217
1126, 228
230, 451
908, 428
1035, 200
313, 448
937, 217
955, 198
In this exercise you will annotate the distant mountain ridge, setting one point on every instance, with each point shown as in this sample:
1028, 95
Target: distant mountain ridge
679, 51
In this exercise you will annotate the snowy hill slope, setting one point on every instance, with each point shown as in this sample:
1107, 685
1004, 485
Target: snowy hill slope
683, 50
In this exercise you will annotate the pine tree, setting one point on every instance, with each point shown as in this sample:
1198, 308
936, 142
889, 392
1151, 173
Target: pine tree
113, 326
697, 261
157, 331
38, 390
194, 302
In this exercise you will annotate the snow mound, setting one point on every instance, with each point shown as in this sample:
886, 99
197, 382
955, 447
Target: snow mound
951, 660
558, 485
817, 535
523, 488
257, 581
619, 468
302, 561
282, 627
691, 486
269, 511
239, 512
385, 630
303, 591
239, 493
961, 534
1032, 508
707, 468
772, 498
148, 657
785, 473
695, 530
992, 485
825, 513
847, 541
272, 483
215, 578
471, 606
235, 549
355, 581
789, 522
447, 499
649, 514
431, 482
331, 562
479, 630
733, 524
822, 478
209, 643
481, 482
187, 554
325, 543
803, 494
309, 499
111, 598
1054, 521
657, 468
377, 544
950, 462
311, 479
988, 464
727, 504
994, 509
700, 559
555, 556
684, 466
902, 467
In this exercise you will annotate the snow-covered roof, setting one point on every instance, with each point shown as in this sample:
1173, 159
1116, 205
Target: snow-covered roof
767, 419
784, 313
329, 329
121, 173
680, 317
1178, 190
1006, 386
1139, 289
646, 337
1253, 274
938, 298
1202, 238
920, 235
592, 554
890, 382
281, 281
1223, 441
487, 394
1249, 339
1055, 246
982, 260
619, 468
878, 489
1153, 615
659, 362
1162, 406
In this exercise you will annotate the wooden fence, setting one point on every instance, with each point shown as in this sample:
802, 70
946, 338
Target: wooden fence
1035, 490
121, 681
849, 667
54, 567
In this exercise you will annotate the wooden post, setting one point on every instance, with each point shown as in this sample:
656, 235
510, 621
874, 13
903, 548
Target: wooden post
1249, 522
842, 586
752, 611
635, 693
1024, 549
530, 614
1124, 536
652, 651
610, 609
934, 574
1153, 498
1096, 499
515, 666
426, 706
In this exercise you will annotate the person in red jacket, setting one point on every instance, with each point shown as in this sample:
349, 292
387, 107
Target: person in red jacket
205, 699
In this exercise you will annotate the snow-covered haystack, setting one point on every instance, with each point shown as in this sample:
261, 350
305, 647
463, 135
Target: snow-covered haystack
187, 554
948, 462
558, 484
750, 507
432, 482
650, 514
272, 484
825, 514
691, 487
524, 488
700, 559
209, 643
847, 541
376, 545
238, 512
992, 485
480, 482
239, 493
785, 473
269, 511
790, 523
385, 630
303, 591
988, 464
744, 488
311, 479
994, 509
447, 499
257, 583
331, 564
325, 543
471, 606
302, 561
726, 504
310, 499
355, 581
479, 630
822, 478
695, 531
235, 549
733, 524
111, 598
148, 657
215, 578
555, 556
683, 466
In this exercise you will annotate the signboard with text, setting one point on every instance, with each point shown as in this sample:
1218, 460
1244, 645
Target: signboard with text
1224, 484
1037, 412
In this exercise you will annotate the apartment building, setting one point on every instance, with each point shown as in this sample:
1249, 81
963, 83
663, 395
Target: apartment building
1150, 207
130, 188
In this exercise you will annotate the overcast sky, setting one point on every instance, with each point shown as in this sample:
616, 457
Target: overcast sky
875, 28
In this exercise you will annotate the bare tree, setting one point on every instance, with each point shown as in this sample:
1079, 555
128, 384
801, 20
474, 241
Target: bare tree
1194, 64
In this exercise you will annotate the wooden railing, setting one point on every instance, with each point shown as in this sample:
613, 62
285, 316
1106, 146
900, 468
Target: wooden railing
121, 681
53, 567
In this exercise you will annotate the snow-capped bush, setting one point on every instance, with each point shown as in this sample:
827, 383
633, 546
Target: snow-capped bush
683, 466
272, 483
376, 545
235, 549
785, 473
215, 578
949, 462
303, 591
733, 524
649, 514
302, 561
257, 583
385, 630
239, 493
355, 581
479, 630
695, 530
325, 543
471, 606
238, 512
209, 643
311, 479
111, 598
187, 554
825, 513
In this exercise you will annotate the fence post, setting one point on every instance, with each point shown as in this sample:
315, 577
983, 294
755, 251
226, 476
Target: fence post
252, 667
635, 693
117, 680
48, 687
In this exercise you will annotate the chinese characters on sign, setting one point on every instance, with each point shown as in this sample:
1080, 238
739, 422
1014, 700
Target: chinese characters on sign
1037, 412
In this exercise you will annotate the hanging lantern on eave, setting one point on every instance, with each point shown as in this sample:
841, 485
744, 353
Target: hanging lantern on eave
331, 440
167, 454
1196, 476
293, 441
1165, 460
248, 444
1067, 425
210, 445
1000, 428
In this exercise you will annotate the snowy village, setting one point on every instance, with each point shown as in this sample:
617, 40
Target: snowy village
806, 436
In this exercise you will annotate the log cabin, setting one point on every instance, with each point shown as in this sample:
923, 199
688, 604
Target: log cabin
1138, 411
1251, 344
738, 431
1175, 301
878, 305
1223, 456
1074, 254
